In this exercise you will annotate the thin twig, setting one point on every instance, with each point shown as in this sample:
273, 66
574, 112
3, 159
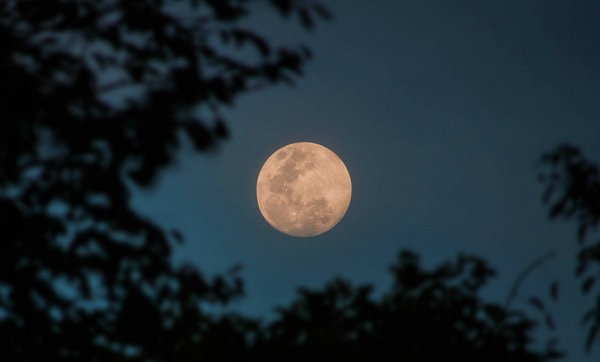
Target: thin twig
515, 287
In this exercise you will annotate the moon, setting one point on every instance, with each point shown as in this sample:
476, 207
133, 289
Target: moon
303, 189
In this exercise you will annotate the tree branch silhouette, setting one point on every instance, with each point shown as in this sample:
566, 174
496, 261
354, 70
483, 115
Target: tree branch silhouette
83, 276
572, 192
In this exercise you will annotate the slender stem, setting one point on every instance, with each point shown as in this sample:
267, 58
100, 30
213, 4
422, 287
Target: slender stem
535, 264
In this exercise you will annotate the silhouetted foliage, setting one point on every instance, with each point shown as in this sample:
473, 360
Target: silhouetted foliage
96, 97
426, 315
573, 193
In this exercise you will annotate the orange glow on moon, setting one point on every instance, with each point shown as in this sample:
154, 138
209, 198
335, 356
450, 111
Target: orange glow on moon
303, 189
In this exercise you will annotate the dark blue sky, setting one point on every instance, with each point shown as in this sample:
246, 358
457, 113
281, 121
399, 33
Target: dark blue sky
440, 110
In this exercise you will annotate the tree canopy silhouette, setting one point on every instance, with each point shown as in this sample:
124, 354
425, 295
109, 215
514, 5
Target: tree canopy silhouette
97, 96
426, 315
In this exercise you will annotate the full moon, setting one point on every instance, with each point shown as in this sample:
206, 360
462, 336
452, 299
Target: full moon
303, 189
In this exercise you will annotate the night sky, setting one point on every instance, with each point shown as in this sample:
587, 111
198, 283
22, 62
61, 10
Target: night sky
440, 110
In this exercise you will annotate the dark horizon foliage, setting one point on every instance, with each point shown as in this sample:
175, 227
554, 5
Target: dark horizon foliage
425, 315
